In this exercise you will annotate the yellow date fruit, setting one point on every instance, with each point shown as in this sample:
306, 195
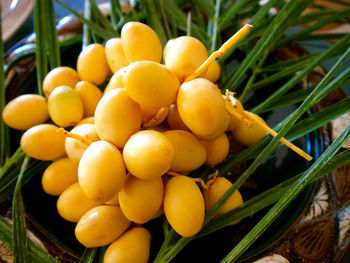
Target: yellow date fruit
150, 84
65, 106
116, 81
217, 150
101, 171
25, 111
216, 191
133, 246
141, 199
117, 117
115, 54
87, 120
184, 205
42, 142
74, 147
202, 108
148, 154
73, 203
213, 72
92, 64
59, 175
174, 120
140, 42
60, 76
184, 55
101, 225
234, 121
90, 95
246, 135
190, 154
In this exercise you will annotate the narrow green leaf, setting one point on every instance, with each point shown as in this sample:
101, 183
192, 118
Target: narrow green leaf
165, 20
154, 21
274, 31
215, 21
172, 10
2, 101
232, 11
88, 255
19, 236
37, 254
98, 30
52, 45
101, 254
286, 199
116, 12
40, 51
290, 99
206, 6
101, 17
298, 77
270, 196
322, 37
308, 30
319, 119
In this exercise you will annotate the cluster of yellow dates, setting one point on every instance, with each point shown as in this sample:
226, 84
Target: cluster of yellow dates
126, 159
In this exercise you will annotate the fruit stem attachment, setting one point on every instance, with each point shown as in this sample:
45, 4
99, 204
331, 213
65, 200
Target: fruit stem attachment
75, 136
232, 111
199, 180
284, 141
220, 52
154, 121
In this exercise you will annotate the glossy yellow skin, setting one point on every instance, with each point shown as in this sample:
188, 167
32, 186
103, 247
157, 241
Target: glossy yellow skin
247, 136
115, 54
73, 203
101, 171
90, 95
42, 142
59, 175
87, 120
116, 81
140, 42
218, 189
174, 120
202, 108
150, 84
190, 154
101, 225
140, 200
234, 121
148, 154
213, 72
92, 64
217, 150
184, 55
74, 147
25, 111
133, 246
60, 76
65, 106
166, 48
117, 117
184, 206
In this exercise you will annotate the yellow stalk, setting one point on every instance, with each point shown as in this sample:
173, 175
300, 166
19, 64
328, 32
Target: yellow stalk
220, 52
75, 136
